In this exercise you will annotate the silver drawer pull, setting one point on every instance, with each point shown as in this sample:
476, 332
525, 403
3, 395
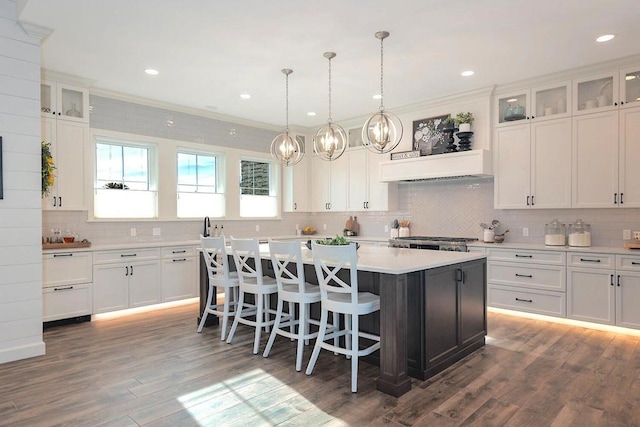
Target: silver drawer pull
524, 275
524, 300
63, 289
524, 256
127, 255
179, 259
179, 252
589, 260
635, 263
60, 255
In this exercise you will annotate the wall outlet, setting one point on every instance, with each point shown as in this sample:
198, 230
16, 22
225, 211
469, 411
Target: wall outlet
386, 228
626, 234
257, 227
133, 232
156, 231
324, 226
525, 231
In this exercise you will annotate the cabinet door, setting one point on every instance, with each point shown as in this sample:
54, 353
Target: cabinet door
551, 164
512, 168
72, 103
320, 185
595, 93
628, 299
629, 180
441, 315
473, 322
339, 184
64, 302
358, 179
630, 87
513, 108
591, 295
595, 160
110, 288
295, 186
551, 101
144, 283
179, 278
69, 160
380, 198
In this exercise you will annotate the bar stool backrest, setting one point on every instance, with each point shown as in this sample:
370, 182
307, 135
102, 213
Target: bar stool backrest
215, 257
284, 254
329, 260
246, 254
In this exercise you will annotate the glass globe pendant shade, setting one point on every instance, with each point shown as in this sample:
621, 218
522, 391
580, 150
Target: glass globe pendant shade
382, 132
330, 141
286, 149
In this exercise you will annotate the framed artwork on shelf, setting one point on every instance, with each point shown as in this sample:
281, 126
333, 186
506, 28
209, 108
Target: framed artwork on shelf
428, 136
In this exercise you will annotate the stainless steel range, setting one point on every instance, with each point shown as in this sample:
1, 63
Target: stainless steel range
457, 244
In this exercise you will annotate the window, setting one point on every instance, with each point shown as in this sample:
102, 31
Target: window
199, 192
258, 197
124, 186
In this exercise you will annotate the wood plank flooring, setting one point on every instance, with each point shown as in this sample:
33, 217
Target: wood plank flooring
153, 369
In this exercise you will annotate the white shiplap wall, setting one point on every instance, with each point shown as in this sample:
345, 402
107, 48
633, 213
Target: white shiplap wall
20, 209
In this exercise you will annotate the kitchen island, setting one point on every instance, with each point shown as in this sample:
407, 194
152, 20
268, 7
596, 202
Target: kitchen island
432, 308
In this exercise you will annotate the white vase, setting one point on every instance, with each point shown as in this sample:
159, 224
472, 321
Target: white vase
404, 232
489, 236
464, 127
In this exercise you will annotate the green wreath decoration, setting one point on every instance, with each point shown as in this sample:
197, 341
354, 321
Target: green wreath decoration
47, 168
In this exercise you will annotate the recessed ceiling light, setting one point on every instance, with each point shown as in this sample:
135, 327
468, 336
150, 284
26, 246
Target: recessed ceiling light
467, 73
605, 38
311, 113
151, 71
630, 77
377, 96
245, 96
512, 100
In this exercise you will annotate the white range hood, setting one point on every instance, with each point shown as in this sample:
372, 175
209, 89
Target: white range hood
463, 164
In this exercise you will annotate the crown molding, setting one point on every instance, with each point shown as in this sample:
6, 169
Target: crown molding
37, 31
65, 78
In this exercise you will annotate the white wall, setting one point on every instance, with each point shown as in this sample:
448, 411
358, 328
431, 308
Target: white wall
20, 209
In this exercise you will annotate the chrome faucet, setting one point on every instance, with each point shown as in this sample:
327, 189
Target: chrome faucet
207, 226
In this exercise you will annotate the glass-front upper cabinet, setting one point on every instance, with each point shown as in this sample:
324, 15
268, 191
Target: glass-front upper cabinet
630, 87
64, 101
551, 101
513, 108
595, 93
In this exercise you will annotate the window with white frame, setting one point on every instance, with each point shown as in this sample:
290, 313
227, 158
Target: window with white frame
125, 183
200, 186
258, 183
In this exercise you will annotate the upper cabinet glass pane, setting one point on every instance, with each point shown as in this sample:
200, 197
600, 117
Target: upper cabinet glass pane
47, 100
512, 108
72, 103
596, 93
632, 86
551, 102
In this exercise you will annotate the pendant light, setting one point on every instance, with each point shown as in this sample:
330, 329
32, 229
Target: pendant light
286, 148
382, 131
330, 140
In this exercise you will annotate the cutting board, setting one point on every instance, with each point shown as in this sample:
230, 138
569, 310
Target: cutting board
632, 245
65, 245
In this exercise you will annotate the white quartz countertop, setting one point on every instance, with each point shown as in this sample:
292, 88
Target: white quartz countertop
539, 246
380, 259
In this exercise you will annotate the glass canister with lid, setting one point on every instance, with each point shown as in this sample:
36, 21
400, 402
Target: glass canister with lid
555, 234
580, 234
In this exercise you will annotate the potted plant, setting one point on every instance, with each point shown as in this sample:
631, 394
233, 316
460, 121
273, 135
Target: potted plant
463, 121
449, 123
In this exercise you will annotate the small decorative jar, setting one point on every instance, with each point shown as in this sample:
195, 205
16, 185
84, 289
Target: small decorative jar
489, 235
580, 234
403, 232
555, 234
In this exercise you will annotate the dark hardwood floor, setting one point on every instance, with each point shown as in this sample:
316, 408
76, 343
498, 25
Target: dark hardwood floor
153, 369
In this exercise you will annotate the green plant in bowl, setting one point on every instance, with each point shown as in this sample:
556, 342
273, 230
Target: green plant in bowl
335, 241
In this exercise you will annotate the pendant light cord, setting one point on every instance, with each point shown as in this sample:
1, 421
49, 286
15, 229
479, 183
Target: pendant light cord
330, 120
286, 96
381, 74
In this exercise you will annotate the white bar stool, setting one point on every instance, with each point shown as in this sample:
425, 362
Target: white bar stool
251, 281
215, 257
338, 296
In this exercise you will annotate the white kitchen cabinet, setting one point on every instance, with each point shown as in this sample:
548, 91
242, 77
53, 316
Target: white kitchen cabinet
545, 102
527, 280
533, 165
67, 139
295, 184
596, 93
179, 273
591, 295
629, 156
628, 299
124, 280
329, 184
64, 101
366, 192
630, 87
66, 285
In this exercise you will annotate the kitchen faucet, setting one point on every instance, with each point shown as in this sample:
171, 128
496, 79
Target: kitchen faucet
207, 225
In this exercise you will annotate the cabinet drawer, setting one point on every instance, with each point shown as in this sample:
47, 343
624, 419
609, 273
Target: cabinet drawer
589, 260
66, 268
628, 262
126, 255
527, 275
64, 302
527, 256
178, 252
533, 301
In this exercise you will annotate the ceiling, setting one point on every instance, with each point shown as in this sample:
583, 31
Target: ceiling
209, 52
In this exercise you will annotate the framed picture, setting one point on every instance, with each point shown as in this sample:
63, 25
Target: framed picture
1, 185
428, 136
